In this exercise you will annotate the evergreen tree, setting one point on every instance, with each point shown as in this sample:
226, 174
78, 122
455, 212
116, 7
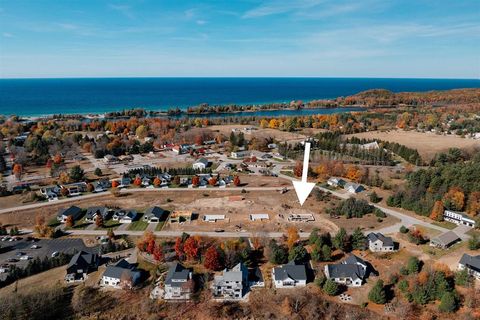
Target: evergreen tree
298, 253
448, 302
330, 287
413, 265
377, 293
342, 240
359, 241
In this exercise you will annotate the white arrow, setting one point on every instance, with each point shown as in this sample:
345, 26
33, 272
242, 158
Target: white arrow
303, 188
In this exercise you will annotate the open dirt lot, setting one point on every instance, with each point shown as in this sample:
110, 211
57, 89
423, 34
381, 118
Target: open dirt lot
427, 144
260, 133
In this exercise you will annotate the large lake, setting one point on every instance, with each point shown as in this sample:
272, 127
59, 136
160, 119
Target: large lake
32, 97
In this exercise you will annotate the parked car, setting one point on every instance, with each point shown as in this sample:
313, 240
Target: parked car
20, 253
12, 260
25, 257
55, 254
35, 246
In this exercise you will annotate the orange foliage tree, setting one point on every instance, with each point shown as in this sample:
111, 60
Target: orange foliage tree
212, 259
115, 184
236, 181
157, 182
437, 211
195, 181
17, 170
454, 199
192, 248
137, 181
298, 169
473, 204
292, 236
354, 173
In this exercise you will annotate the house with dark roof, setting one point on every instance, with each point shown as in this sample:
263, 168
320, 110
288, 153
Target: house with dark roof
336, 182
351, 272
80, 265
232, 284
200, 164
289, 275
377, 242
445, 240
155, 214
353, 187
471, 263
93, 212
178, 283
123, 274
73, 211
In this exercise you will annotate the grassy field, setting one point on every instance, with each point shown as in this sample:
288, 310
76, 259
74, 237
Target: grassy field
445, 224
138, 225
160, 226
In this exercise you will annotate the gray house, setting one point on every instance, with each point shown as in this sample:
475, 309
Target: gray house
80, 265
351, 272
471, 263
154, 214
120, 275
232, 284
178, 283
445, 240
289, 275
93, 212
73, 211
377, 242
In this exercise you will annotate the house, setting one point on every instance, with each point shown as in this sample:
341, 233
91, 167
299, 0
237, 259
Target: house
124, 182
353, 187
101, 185
51, 192
125, 216
351, 272
213, 217
459, 218
255, 278
200, 164
123, 274
370, 146
239, 154
75, 189
377, 242
180, 216
259, 217
73, 211
154, 214
178, 283
93, 212
232, 284
471, 263
110, 159
80, 265
301, 217
445, 240
289, 275
336, 182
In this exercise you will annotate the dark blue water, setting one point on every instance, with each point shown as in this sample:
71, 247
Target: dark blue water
30, 97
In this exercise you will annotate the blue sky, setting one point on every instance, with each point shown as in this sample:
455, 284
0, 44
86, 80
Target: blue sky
325, 38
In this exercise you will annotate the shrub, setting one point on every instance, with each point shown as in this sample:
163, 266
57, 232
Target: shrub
330, 287
403, 229
377, 293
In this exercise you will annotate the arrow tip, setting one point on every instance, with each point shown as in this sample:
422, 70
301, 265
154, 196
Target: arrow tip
303, 190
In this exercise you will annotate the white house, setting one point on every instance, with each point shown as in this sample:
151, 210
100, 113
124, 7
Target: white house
259, 217
353, 187
232, 284
125, 216
120, 275
200, 164
178, 283
471, 263
351, 272
377, 242
459, 218
289, 275
336, 182
213, 217
73, 211
239, 154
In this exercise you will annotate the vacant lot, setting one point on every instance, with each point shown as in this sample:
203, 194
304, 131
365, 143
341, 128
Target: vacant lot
427, 144
260, 133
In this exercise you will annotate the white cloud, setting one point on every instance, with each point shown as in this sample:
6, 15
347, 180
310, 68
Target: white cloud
201, 22
7, 35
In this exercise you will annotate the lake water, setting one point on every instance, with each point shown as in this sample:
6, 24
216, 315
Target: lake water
33, 97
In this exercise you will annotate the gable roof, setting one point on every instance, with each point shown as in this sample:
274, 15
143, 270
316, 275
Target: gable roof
121, 267
353, 271
239, 273
92, 211
82, 259
472, 262
446, 238
177, 275
353, 259
73, 211
386, 241
154, 212
291, 270
203, 161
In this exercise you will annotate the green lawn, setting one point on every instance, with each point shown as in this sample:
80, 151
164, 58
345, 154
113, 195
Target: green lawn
81, 224
437, 252
110, 224
53, 222
139, 224
160, 226
445, 224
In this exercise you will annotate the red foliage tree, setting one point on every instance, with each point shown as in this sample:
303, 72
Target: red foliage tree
236, 181
191, 248
137, 181
115, 183
298, 170
212, 181
157, 182
158, 253
212, 259
69, 221
195, 181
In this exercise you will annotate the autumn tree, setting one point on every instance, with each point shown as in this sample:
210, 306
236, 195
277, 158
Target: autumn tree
17, 170
292, 236
157, 182
191, 248
158, 253
90, 187
473, 204
179, 248
354, 173
195, 181
212, 181
437, 211
57, 159
454, 199
99, 221
236, 181
115, 183
110, 234
69, 221
298, 169
213, 259
137, 181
